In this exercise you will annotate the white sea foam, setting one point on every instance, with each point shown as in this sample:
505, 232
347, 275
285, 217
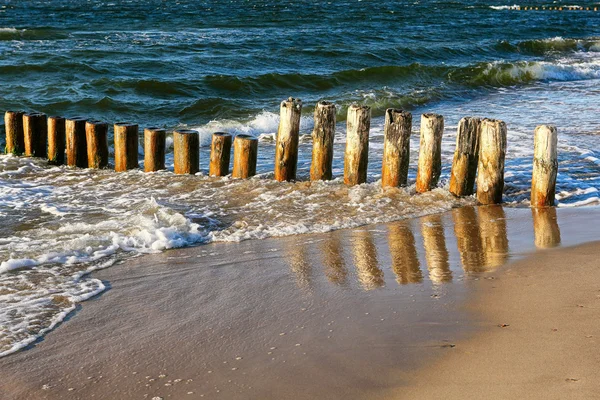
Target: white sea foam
513, 7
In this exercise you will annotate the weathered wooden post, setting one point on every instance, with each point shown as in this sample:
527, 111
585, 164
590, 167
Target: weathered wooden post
154, 149
396, 148
35, 133
96, 133
492, 151
76, 142
286, 152
56, 140
126, 146
466, 156
245, 152
430, 152
220, 154
323, 135
545, 166
356, 158
186, 151
15, 139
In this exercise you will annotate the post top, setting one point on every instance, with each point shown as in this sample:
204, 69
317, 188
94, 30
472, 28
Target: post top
34, 114
431, 116
392, 112
155, 129
95, 122
185, 132
76, 119
125, 124
325, 104
356, 107
221, 134
15, 112
292, 102
56, 117
243, 136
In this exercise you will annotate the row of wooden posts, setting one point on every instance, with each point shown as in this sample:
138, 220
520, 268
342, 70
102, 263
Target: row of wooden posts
479, 156
544, 8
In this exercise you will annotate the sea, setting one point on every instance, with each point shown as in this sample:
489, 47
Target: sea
226, 66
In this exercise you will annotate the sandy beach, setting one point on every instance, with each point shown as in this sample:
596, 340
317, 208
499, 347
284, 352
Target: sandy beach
404, 310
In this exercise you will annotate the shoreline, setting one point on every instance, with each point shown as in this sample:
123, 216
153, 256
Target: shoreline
282, 317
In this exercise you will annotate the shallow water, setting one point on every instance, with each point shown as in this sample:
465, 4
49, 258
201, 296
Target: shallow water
226, 66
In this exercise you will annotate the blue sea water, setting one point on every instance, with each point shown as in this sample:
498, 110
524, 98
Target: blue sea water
225, 66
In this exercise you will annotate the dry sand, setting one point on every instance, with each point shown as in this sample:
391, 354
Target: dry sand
403, 310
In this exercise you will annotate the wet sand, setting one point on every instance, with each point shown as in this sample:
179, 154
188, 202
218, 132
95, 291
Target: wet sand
363, 313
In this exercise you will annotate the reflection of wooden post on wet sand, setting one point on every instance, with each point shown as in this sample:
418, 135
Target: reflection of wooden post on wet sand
405, 262
492, 230
296, 254
436, 252
335, 267
545, 227
365, 260
466, 230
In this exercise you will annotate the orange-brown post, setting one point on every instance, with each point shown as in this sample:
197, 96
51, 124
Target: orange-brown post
245, 152
466, 156
154, 149
396, 148
323, 135
15, 140
96, 133
430, 152
545, 166
126, 146
35, 133
56, 140
76, 142
356, 156
186, 151
286, 151
220, 154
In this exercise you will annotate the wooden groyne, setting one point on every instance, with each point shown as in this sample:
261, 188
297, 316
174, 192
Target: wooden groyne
477, 166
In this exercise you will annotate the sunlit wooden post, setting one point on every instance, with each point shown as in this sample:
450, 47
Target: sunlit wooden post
15, 139
186, 151
96, 133
396, 148
286, 151
430, 152
154, 149
545, 166
323, 135
492, 152
126, 146
356, 158
76, 142
466, 156
56, 140
220, 154
35, 134
245, 152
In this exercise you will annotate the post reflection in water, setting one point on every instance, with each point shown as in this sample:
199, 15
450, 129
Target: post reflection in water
466, 230
365, 260
436, 252
492, 230
545, 227
335, 267
296, 254
403, 252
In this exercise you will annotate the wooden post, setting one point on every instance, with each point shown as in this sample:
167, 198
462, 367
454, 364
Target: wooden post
35, 133
492, 151
154, 149
15, 140
245, 152
286, 152
76, 142
220, 154
96, 133
56, 140
396, 148
466, 156
545, 166
430, 152
186, 149
126, 146
356, 158
323, 135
